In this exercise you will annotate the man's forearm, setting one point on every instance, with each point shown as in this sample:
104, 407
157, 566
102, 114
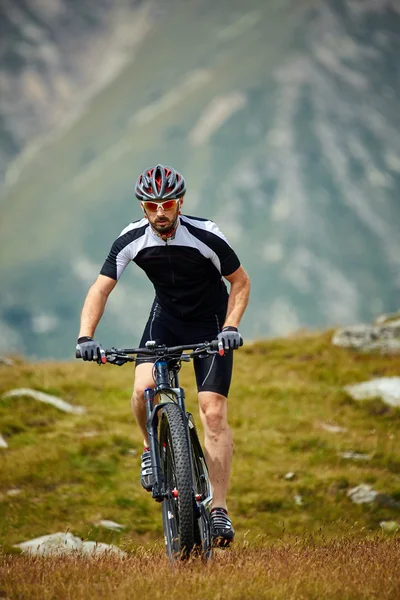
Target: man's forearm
92, 311
238, 300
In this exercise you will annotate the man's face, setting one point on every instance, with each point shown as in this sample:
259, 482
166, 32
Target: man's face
162, 220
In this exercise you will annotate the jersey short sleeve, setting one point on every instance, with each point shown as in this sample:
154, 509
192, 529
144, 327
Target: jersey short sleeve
227, 256
124, 249
212, 237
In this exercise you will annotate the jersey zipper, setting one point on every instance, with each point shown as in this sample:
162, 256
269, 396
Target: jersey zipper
170, 262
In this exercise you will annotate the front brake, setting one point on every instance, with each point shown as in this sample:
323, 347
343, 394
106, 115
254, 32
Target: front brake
118, 360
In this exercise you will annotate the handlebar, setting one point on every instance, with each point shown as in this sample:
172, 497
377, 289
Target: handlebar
123, 355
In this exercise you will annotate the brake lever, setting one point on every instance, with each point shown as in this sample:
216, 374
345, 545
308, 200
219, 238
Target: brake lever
115, 359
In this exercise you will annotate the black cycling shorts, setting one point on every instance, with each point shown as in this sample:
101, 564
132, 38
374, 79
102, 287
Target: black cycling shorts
213, 374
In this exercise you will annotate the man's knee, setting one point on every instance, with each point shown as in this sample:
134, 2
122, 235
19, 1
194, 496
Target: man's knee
213, 410
143, 380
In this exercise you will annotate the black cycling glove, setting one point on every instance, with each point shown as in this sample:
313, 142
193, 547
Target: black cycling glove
229, 338
90, 349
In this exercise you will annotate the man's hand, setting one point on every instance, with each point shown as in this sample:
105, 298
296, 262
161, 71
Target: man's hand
229, 338
90, 349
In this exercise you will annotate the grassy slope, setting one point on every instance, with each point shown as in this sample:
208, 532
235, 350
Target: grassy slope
281, 392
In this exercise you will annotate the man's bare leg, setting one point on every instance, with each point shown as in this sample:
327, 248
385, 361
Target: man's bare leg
218, 444
143, 380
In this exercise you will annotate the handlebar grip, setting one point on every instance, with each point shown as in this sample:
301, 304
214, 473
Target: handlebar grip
217, 345
103, 357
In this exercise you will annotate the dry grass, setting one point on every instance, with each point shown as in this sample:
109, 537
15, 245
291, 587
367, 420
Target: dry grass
298, 569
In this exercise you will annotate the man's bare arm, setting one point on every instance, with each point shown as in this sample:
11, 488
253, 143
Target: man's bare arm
238, 297
94, 305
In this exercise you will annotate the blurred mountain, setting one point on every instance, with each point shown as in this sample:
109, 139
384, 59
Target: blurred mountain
282, 116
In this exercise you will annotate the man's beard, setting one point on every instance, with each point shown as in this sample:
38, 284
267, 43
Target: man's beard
165, 226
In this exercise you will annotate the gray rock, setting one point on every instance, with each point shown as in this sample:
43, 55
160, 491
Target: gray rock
6, 361
384, 337
47, 399
96, 548
110, 525
14, 492
3, 443
354, 455
48, 545
332, 428
65, 543
387, 318
386, 388
390, 526
362, 494
290, 476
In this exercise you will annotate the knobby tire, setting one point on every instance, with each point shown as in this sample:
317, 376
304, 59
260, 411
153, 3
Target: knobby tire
178, 513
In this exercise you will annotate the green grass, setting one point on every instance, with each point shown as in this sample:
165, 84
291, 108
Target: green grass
74, 470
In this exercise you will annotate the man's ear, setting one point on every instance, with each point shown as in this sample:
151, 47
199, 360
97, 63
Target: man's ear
142, 207
181, 202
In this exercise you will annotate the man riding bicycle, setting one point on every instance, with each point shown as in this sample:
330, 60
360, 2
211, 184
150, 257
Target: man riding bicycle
185, 258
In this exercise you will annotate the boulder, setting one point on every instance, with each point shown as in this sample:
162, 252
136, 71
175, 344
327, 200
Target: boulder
96, 548
3, 443
384, 335
386, 388
47, 399
65, 543
55, 543
362, 494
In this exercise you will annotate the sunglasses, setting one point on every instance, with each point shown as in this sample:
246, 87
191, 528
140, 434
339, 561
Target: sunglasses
154, 206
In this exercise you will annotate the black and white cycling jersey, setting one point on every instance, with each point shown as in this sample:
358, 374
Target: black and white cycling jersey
185, 270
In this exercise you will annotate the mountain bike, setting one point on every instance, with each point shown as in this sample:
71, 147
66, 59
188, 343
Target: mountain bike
180, 476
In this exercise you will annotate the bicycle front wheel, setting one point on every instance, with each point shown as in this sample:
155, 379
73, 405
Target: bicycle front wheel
178, 508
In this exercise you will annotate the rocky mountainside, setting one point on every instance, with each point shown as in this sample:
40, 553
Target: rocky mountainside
284, 120
55, 55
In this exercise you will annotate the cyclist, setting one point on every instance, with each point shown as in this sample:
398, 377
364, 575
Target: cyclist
185, 259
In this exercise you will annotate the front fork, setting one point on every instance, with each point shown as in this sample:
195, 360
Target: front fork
152, 427
159, 491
